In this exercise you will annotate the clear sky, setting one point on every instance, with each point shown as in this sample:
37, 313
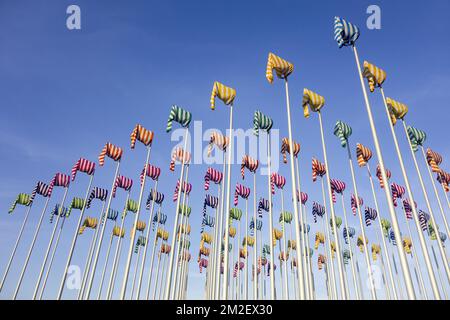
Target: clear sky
64, 93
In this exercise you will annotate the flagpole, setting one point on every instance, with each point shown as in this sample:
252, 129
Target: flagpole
286, 290
212, 267
117, 253
74, 240
391, 276
141, 273
97, 252
435, 191
182, 249
395, 226
294, 190
30, 250
157, 273
361, 224
220, 228
255, 248
439, 273
272, 261
333, 216
155, 241
247, 248
227, 206
427, 201
350, 250
308, 255
304, 234
108, 252
91, 252
50, 242
8, 266
171, 255
135, 269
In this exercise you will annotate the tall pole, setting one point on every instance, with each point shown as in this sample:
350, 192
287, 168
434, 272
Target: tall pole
272, 259
108, 252
75, 237
50, 242
220, 228
13, 253
172, 248
227, 207
155, 242
30, 250
102, 232
333, 216
304, 234
361, 224
255, 248
395, 226
294, 190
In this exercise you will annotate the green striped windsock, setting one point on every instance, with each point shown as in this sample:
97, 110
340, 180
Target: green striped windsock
22, 199
417, 137
343, 131
261, 122
179, 115
77, 203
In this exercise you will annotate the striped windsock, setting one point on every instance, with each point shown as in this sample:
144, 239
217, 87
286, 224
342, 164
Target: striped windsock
363, 154
444, 179
423, 219
345, 33
380, 178
285, 217
89, 222
202, 264
208, 221
160, 218
318, 169
397, 110
250, 164
286, 149
355, 204
212, 202
343, 131
141, 242
434, 160
321, 261
77, 203
337, 186
360, 243
112, 215
263, 204
56, 210
83, 165
397, 192
184, 210
224, 93
213, 175
235, 214
407, 245
346, 233
22, 199
282, 67
302, 196
156, 196
392, 237
346, 256
111, 151
42, 189
311, 100
374, 75
187, 188
117, 232
317, 210
165, 248
261, 122
277, 180
179, 115
59, 180
141, 134
338, 223
240, 191
416, 137
385, 225
179, 154
219, 140
370, 215
151, 171
319, 239
376, 250
131, 206
123, 183
96, 193
252, 226
408, 208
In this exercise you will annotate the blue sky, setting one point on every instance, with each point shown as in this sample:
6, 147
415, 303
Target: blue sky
65, 93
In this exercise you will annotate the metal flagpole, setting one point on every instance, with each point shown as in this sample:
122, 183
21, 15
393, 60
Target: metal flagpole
50, 264
90, 254
272, 260
285, 287
439, 273
136, 219
157, 273
333, 216
118, 251
294, 190
30, 250
255, 248
435, 192
13, 253
135, 269
227, 206
350, 250
102, 278
155, 242
246, 247
220, 228
183, 235
212, 266
395, 226
391, 276
361, 224
75, 237
308, 255
326, 230
102, 232
171, 255
60, 210
427, 201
